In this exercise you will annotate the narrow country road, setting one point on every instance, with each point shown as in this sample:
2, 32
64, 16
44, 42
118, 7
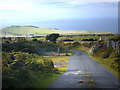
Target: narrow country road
82, 70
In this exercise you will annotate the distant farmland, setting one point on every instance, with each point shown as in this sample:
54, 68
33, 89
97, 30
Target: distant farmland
36, 31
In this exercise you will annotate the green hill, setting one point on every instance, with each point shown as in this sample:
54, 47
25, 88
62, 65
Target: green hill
27, 30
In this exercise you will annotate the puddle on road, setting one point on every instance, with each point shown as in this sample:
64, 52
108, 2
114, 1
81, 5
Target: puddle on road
91, 81
85, 79
80, 72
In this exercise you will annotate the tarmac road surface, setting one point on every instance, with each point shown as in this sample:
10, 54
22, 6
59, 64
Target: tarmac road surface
82, 70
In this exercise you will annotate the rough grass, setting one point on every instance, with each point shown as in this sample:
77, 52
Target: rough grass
79, 38
13, 30
25, 70
42, 75
80, 55
83, 49
43, 80
58, 59
106, 63
106, 57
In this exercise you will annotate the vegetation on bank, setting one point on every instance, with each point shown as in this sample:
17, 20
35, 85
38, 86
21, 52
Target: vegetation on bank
106, 56
23, 67
83, 37
24, 70
45, 79
18, 69
109, 58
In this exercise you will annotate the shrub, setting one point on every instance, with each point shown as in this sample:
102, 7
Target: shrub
16, 67
76, 44
104, 52
34, 39
114, 53
7, 42
52, 37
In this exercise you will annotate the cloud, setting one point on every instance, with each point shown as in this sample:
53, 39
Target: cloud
67, 1
28, 5
16, 5
41, 10
30, 9
82, 2
78, 0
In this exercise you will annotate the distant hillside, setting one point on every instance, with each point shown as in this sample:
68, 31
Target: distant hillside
26, 30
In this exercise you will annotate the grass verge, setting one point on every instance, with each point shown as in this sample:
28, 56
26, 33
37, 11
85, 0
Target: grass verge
58, 59
106, 63
43, 80
83, 49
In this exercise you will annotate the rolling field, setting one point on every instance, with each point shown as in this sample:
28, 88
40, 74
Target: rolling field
23, 30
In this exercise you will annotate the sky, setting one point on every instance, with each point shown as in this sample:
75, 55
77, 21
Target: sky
92, 15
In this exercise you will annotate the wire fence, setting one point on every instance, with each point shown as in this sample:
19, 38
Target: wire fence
114, 45
109, 43
53, 51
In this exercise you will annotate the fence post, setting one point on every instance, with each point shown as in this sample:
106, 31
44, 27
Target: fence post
17, 40
113, 44
66, 52
93, 50
108, 43
119, 48
100, 38
116, 45
58, 51
36, 50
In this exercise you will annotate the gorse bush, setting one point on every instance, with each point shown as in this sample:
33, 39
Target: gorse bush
23, 66
76, 44
27, 46
106, 52
114, 53
109, 56
17, 66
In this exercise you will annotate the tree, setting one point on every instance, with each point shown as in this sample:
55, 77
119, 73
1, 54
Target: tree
52, 37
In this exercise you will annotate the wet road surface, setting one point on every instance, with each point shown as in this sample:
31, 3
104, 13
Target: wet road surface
84, 72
